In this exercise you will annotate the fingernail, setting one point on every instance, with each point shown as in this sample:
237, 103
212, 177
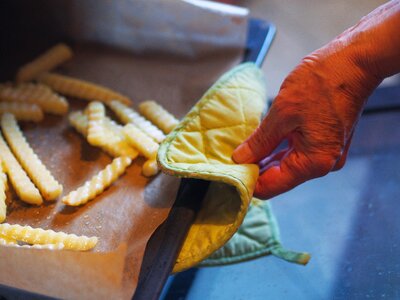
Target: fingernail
243, 154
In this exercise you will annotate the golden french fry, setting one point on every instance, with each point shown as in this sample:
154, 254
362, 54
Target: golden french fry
150, 168
3, 188
96, 113
117, 140
98, 183
3, 176
23, 186
22, 111
78, 88
158, 116
38, 94
129, 115
59, 246
37, 171
7, 241
116, 145
50, 59
13, 243
79, 121
114, 127
145, 145
39, 236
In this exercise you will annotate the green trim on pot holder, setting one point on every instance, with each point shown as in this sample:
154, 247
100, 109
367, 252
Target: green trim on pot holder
257, 236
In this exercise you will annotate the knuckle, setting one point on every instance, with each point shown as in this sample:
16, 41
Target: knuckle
326, 162
340, 164
324, 167
314, 165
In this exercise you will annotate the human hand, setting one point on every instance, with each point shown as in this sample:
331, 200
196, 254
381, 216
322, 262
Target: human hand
319, 105
316, 114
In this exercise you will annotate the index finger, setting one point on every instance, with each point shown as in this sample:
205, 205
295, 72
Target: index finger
271, 132
292, 169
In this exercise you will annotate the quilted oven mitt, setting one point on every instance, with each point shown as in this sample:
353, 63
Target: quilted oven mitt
201, 147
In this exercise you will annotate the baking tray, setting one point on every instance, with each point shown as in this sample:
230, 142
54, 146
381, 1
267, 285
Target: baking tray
158, 259
163, 247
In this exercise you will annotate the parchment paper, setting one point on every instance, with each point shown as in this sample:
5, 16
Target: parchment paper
181, 27
125, 215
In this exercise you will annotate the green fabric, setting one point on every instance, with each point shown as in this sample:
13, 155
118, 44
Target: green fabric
201, 146
257, 236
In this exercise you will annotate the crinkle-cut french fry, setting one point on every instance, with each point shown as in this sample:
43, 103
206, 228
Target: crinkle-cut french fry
22, 111
81, 89
158, 116
47, 61
150, 168
79, 121
3, 188
116, 139
3, 176
98, 183
38, 94
96, 133
116, 146
14, 243
58, 246
113, 126
145, 145
23, 186
40, 236
5, 241
128, 115
37, 171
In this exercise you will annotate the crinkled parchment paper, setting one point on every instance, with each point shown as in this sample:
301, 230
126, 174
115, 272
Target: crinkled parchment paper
182, 27
125, 215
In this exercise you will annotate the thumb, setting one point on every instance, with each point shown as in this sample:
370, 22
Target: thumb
291, 169
263, 141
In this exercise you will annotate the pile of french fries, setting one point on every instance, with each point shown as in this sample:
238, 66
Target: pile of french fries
38, 91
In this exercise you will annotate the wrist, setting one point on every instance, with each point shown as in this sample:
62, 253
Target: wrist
368, 52
374, 42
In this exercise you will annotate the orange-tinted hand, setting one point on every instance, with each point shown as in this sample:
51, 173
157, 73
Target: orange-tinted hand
318, 106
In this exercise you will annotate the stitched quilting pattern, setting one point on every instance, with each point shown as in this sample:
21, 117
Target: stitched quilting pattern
201, 147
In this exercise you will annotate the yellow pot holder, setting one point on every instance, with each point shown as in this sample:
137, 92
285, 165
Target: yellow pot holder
201, 147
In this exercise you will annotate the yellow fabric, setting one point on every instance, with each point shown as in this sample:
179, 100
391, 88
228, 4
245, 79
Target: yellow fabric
201, 147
